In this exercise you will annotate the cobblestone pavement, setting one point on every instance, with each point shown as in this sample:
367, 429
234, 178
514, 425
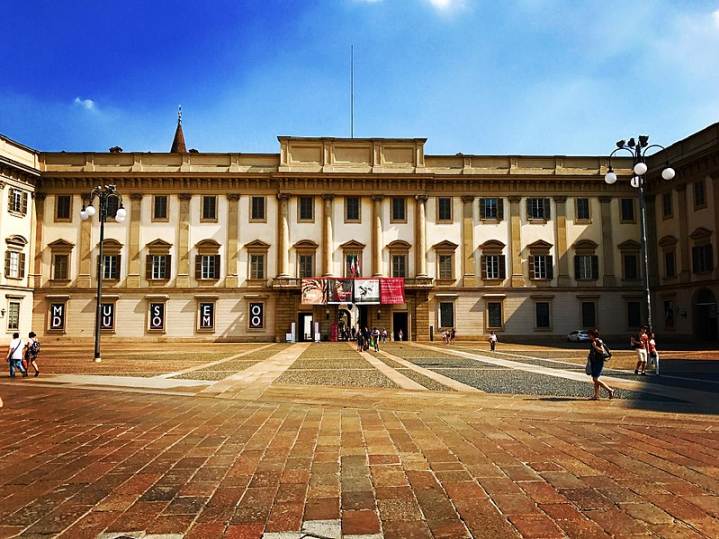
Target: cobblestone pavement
417, 441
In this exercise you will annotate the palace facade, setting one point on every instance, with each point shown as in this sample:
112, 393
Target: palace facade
215, 245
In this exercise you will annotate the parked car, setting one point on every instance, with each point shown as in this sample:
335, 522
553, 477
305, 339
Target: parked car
580, 335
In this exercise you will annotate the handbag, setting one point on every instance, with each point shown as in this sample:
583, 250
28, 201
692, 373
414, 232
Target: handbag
588, 366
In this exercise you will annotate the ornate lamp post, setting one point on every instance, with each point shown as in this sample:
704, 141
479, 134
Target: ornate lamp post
103, 193
638, 149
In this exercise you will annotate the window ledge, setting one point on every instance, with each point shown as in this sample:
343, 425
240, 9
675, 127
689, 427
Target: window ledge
490, 221
535, 221
583, 221
17, 213
493, 282
59, 282
445, 281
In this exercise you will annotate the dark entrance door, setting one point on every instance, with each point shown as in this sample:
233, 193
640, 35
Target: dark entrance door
399, 322
705, 315
363, 316
305, 327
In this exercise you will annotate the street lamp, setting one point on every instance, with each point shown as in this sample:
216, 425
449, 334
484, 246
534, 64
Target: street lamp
103, 193
638, 149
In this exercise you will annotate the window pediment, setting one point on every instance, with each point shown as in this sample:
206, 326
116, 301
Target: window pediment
16, 241
111, 246
700, 233
539, 245
306, 245
492, 245
445, 245
629, 245
585, 245
399, 246
159, 247
257, 245
352, 245
207, 247
668, 241
61, 246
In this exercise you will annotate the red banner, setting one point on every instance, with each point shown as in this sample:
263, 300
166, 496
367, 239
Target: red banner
391, 290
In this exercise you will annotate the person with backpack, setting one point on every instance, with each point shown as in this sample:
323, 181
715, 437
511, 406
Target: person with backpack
598, 354
32, 349
14, 355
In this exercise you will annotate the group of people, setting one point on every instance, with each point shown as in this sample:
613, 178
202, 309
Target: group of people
22, 354
367, 339
449, 335
645, 345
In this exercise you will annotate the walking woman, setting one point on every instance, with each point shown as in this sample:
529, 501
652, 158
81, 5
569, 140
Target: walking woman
32, 349
598, 354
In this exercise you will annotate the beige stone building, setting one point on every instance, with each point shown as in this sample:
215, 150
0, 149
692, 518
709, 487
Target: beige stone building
215, 245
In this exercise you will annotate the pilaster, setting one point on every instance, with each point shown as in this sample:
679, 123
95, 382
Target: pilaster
607, 241
231, 280
421, 236
684, 258
183, 236
39, 221
133, 251
469, 277
377, 235
560, 226
327, 199
515, 245
84, 274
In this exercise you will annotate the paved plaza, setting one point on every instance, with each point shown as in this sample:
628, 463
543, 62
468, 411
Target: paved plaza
318, 440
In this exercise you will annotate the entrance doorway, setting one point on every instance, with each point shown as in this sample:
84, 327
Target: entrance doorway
305, 328
705, 315
344, 324
399, 322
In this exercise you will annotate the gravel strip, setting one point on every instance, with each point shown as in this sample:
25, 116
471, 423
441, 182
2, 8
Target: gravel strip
345, 378
332, 363
426, 381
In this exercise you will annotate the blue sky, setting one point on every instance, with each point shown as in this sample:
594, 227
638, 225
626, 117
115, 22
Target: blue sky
473, 76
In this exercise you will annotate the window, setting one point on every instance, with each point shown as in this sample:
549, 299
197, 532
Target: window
445, 267
668, 314
540, 267
583, 209
494, 314
699, 195
627, 208
586, 267
589, 314
111, 267
305, 209
352, 209
60, 267
444, 210
702, 258
14, 264
446, 314
670, 269
631, 267
113, 203
538, 209
257, 208
667, 209
353, 265
13, 316
257, 266
399, 265
306, 265
209, 208
634, 317
159, 267
542, 320
493, 267
399, 209
491, 209
207, 267
17, 201
159, 208
63, 208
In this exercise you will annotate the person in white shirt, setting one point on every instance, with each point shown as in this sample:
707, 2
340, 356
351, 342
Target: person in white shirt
14, 355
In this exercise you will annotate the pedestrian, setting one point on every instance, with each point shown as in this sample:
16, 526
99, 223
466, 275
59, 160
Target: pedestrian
641, 343
14, 355
400, 335
384, 335
452, 335
492, 340
653, 354
598, 354
32, 349
375, 339
365, 339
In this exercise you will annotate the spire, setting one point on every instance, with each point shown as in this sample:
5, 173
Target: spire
178, 144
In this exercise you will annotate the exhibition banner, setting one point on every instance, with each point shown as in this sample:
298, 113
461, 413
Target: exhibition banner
392, 290
339, 290
366, 291
314, 292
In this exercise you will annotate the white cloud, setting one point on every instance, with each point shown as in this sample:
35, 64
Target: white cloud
715, 16
368, 1
446, 5
87, 104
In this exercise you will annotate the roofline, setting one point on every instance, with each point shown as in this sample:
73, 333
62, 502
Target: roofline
19, 144
351, 139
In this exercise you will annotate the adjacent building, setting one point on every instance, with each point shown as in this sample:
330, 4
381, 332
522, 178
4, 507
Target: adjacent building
215, 245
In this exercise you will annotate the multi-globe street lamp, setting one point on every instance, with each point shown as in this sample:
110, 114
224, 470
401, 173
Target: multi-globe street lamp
638, 149
103, 193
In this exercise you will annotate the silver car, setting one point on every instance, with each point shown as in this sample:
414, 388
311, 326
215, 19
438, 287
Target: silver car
580, 335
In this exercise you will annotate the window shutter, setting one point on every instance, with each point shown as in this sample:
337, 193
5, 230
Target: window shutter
710, 258
577, 276
21, 269
198, 266
500, 209
595, 267
168, 266
547, 209
482, 209
7, 263
9, 199
550, 266
531, 266
23, 203
529, 208
502, 269
483, 266
116, 275
216, 273
148, 267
